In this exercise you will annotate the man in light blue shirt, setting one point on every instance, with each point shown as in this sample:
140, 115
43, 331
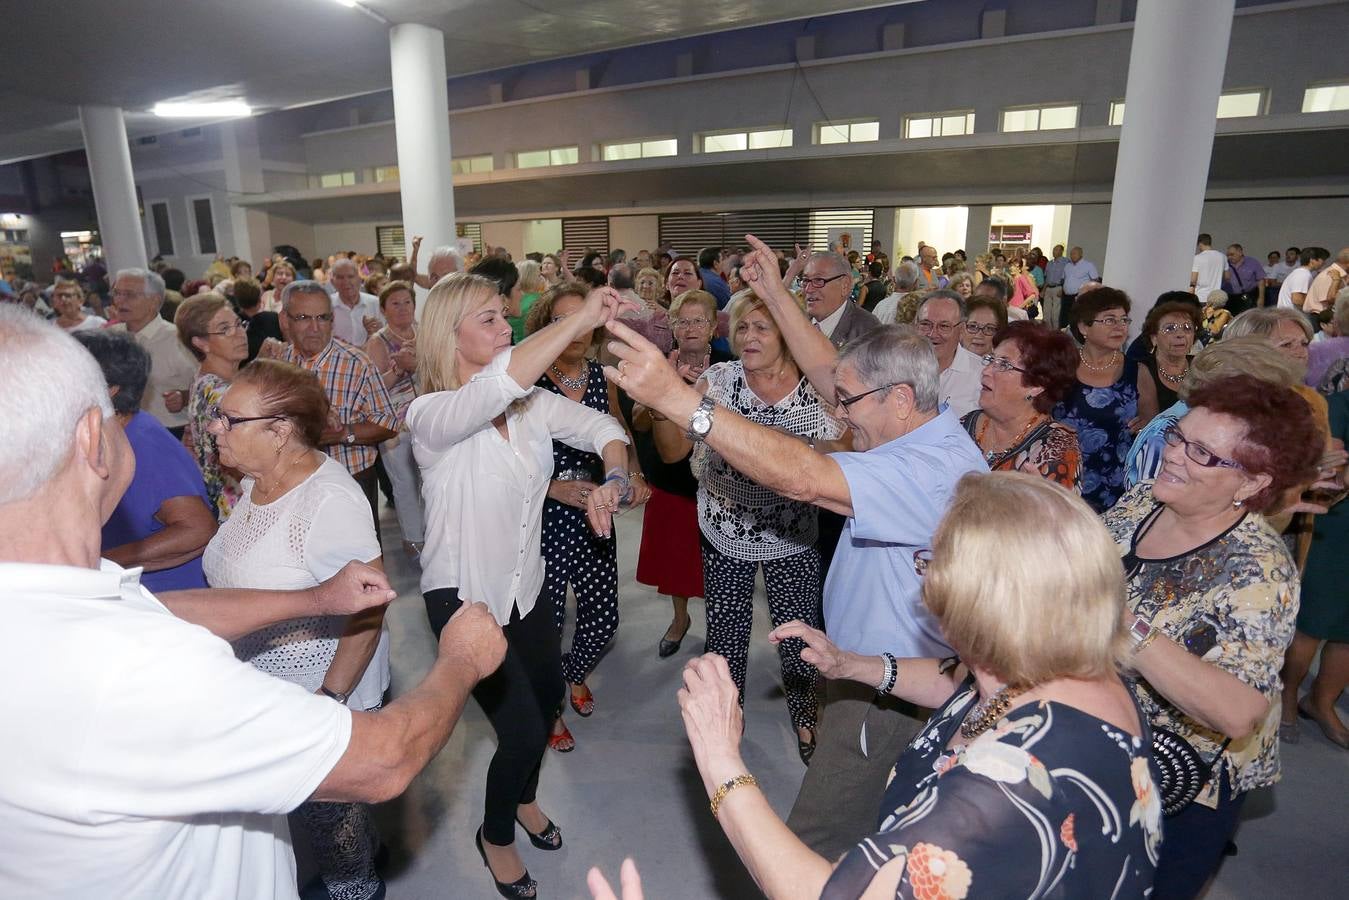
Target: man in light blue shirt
1075, 275
894, 487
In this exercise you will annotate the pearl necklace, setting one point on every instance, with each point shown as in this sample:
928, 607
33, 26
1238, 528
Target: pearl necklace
572, 384
1110, 364
1168, 377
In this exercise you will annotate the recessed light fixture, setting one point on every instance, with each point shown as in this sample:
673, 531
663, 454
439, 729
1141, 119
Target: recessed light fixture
347, 3
224, 109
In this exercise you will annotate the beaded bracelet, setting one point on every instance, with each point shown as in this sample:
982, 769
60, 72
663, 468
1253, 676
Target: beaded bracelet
737, 781
891, 674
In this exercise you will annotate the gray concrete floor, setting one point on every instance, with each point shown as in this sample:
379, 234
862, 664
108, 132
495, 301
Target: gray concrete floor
630, 787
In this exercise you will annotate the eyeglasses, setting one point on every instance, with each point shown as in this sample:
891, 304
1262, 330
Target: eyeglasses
1112, 321
1197, 452
926, 326
127, 295
227, 422
921, 560
302, 319
1001, 364
1173, 327
231, 329
818, 283
690, 323
986, 330
846, 401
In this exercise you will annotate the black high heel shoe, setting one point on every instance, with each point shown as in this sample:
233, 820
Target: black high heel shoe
548, 839
523, 888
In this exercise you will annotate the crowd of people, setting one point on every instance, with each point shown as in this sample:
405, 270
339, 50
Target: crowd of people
1044, 597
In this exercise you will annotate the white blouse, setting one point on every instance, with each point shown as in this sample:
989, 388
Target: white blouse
299, 539
483, 494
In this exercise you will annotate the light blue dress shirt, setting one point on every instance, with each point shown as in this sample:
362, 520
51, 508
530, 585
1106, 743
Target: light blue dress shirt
900, 490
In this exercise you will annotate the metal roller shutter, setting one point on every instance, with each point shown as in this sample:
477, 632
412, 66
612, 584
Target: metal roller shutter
688, 233
580, 235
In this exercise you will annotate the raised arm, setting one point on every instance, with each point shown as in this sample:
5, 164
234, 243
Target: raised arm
778, 461
811, 349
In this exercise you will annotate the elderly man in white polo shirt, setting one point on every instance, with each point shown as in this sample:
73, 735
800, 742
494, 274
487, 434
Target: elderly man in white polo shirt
143, 759
356, 314
941, 319
138, 295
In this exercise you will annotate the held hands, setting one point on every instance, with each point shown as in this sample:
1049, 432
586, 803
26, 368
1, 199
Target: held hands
271, 349
638, 492
603, 305
473, 636
710, 705
572, 493
687, 371
642, 370
601, 505
355, 588
819, 651
371, 324
406, 357
174, 401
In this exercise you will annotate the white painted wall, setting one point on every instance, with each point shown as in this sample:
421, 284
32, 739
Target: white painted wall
1049, 224
633, 233
542, 236
510, 235
941, 226
358, 236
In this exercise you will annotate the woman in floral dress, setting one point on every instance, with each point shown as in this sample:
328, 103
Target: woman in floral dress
212, 331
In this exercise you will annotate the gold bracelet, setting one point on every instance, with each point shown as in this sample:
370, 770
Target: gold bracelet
1142, 645
737, 781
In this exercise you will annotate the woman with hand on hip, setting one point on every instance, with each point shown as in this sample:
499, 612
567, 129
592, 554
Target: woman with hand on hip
483, 435
574, 554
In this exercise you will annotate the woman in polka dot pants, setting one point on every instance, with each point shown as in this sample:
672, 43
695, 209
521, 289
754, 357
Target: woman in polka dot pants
574, 554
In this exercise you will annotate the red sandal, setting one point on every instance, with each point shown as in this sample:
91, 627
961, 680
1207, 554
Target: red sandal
562, 741
584, 704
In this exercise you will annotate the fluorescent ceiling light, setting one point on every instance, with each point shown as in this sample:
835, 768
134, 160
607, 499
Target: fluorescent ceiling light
223, 109
347, 3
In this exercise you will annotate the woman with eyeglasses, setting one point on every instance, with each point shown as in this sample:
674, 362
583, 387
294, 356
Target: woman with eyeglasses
212, 332
1112, 398
1170, 328
1029, 369
984, 317
299, 519
574, 555
1212, 600
745, 526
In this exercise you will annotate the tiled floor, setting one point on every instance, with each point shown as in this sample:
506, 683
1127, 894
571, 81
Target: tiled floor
630, 787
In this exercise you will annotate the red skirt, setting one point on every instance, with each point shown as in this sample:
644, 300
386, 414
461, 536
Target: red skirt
669, 559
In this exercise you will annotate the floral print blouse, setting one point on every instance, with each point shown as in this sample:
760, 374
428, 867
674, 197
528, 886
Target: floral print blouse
1101, 416
1232, 602
1050, 802
221, 487
1050, 451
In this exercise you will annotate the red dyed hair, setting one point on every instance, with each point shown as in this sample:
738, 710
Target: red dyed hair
1048, 356
1282, 440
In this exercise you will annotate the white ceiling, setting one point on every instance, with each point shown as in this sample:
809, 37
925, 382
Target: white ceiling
276, 54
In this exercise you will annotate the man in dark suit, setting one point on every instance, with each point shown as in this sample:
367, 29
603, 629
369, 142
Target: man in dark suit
827, 281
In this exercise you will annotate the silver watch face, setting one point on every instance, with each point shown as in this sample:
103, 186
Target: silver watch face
700, 423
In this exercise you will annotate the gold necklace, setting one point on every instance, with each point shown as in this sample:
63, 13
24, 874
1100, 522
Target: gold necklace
1110, 364
248, 518
990, 455
988, 712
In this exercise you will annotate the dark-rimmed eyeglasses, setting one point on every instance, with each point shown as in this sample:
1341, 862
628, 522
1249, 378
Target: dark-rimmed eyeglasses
1112, 321
818, 283
227, 421
1197, 452
986, 330
845, 401
926, 326
1002, 364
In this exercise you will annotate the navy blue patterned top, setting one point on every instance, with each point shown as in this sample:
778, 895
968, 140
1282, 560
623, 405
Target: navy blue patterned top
1101, 417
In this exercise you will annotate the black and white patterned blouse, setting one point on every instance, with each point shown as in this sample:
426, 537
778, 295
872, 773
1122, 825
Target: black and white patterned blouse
740, 518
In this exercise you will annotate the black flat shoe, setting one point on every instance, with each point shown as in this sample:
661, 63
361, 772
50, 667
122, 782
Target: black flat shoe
523, 888
548, 839
806, 748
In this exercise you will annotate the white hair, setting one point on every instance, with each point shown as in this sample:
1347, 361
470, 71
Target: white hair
47, 383
152, 282
344, 261
449, 253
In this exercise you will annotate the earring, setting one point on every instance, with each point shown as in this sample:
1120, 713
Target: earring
1030, 397
1236, 504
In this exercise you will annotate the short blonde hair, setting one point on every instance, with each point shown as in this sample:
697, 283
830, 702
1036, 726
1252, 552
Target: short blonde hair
193, 317
746, 302
697, 297
531, 277
1263, 320
1243, 355
454, 298
1026, 581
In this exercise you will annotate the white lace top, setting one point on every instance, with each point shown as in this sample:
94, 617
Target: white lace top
303, 537
740, 518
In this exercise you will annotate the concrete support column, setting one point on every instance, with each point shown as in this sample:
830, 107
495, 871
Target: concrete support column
977, 222
421, 113
109, 155
883, 230
250, 230
1170, 112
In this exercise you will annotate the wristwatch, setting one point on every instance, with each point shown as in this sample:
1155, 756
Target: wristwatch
350, 438
336, 695
700, 423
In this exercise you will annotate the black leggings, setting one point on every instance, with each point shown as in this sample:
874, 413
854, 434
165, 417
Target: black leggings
521, 700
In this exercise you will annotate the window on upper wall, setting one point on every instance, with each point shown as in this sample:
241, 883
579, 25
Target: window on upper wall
1326, 98
639, 149
556, 156
1040, 118
759, 139
203, 226
847, 132
1116, 112
939, 124
1239, 104
472, 165
163, 228
337, 179
386, 173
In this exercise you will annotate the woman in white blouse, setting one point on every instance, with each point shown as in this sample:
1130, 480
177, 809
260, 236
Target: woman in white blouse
299, 519
482, 435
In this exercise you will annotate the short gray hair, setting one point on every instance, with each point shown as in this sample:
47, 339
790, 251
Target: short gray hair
1263, 320
303, 286
946, 294
151, 281
906, 277
620, 277
835, 260
1341, 314
449, 253
125, 365
895, 354
344, 260
50, 382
